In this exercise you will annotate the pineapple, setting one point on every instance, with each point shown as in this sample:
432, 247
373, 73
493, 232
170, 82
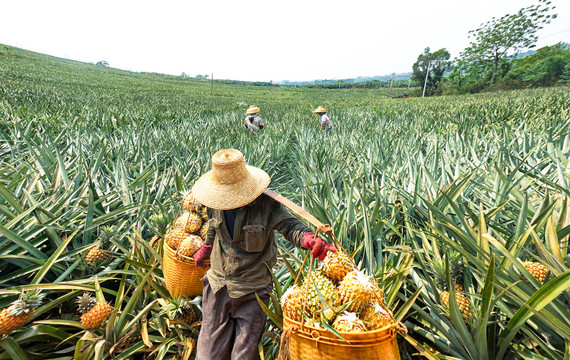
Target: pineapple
336, 265
100, 252
327, 289
455, 274
203, 212
358, 288
462, 301
20, 311
204, 231
93, 312
348, 322
175, 237
375, 316
537, 270
292, 302
189, 202
189, 221
189, 246
180, 309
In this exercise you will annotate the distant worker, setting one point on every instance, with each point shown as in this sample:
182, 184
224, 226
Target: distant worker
252, 121
323, 118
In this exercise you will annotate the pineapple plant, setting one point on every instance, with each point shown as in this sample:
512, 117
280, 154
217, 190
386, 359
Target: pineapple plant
20, 311
204, 231
336, 265
357, 288
180, 309
326, 288
189, 202
536, 269
292, 302
375, 316
100, 252
175, 237
455, 274
159, 224
348, 322
189, 246
191, 222
93, 312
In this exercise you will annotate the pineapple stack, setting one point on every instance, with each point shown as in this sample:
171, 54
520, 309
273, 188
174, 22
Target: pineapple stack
340, 295
189, 230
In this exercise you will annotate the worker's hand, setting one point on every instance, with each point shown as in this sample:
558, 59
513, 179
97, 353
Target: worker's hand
202, 254
318, 246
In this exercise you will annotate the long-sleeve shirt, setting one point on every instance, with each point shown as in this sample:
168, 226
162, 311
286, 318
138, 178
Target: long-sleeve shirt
253, 123
324, 119
238, 262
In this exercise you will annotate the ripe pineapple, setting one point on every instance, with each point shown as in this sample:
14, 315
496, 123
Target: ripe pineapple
336, 265
20, 311
189, 202
537, 270
189, 221
180, 309
292, 302
327, 289
100, 252
462, 301
358, 288
203, 212
348, 322
204, 231
189, 246
93, 312
175, 237
375, 316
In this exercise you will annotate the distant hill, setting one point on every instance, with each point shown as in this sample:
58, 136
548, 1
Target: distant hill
359, 79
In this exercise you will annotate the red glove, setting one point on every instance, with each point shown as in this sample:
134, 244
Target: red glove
202, 254
318, 246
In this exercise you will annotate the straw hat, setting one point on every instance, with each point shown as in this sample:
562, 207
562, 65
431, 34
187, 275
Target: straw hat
320, 109
252, 110
231, 183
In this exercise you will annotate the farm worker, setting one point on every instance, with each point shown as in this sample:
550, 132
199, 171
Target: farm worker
241, 244
323, 118
252, 121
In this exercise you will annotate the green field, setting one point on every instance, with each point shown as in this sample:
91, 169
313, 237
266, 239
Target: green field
412, 187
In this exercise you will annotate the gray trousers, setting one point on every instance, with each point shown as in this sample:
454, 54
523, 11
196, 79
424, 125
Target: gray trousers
231, 328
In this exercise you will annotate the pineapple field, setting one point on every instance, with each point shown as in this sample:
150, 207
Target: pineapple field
458, 208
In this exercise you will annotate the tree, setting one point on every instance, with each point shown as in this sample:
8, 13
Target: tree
102, 63
494, 39
437, 63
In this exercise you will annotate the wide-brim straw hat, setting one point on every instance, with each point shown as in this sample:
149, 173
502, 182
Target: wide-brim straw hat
231, 183
252, 110
320, 109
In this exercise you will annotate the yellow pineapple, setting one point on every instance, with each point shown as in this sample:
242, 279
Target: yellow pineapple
175, 237
190, 203
375, 316
358, 288
462, 301
326, 288
348, 322
100, 252
20, 311
537, 270
336, 265
93, 312
203, 212
189, 246
204, 231
189, 221
292, 302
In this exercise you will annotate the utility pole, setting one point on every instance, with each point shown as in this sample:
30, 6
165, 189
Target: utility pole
425, 81
391, 83
212, 85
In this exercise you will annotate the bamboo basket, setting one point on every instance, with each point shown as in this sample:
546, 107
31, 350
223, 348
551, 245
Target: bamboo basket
182, 278
306, 342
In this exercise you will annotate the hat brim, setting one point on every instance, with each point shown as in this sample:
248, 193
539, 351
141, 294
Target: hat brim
230, 196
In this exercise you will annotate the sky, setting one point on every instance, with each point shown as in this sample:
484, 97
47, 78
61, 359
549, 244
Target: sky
296, 40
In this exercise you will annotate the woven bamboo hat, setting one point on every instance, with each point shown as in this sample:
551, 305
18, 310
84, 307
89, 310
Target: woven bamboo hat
252, 110
320, 109
231, 183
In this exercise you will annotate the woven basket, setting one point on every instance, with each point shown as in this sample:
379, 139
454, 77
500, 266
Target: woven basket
308, 342
182, 278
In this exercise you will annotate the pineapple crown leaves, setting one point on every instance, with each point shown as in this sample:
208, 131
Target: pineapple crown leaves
177, 307
160, 224
452, 263
27, 302
85, 302
105, 237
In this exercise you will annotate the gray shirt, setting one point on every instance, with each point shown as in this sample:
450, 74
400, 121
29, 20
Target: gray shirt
252, 122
